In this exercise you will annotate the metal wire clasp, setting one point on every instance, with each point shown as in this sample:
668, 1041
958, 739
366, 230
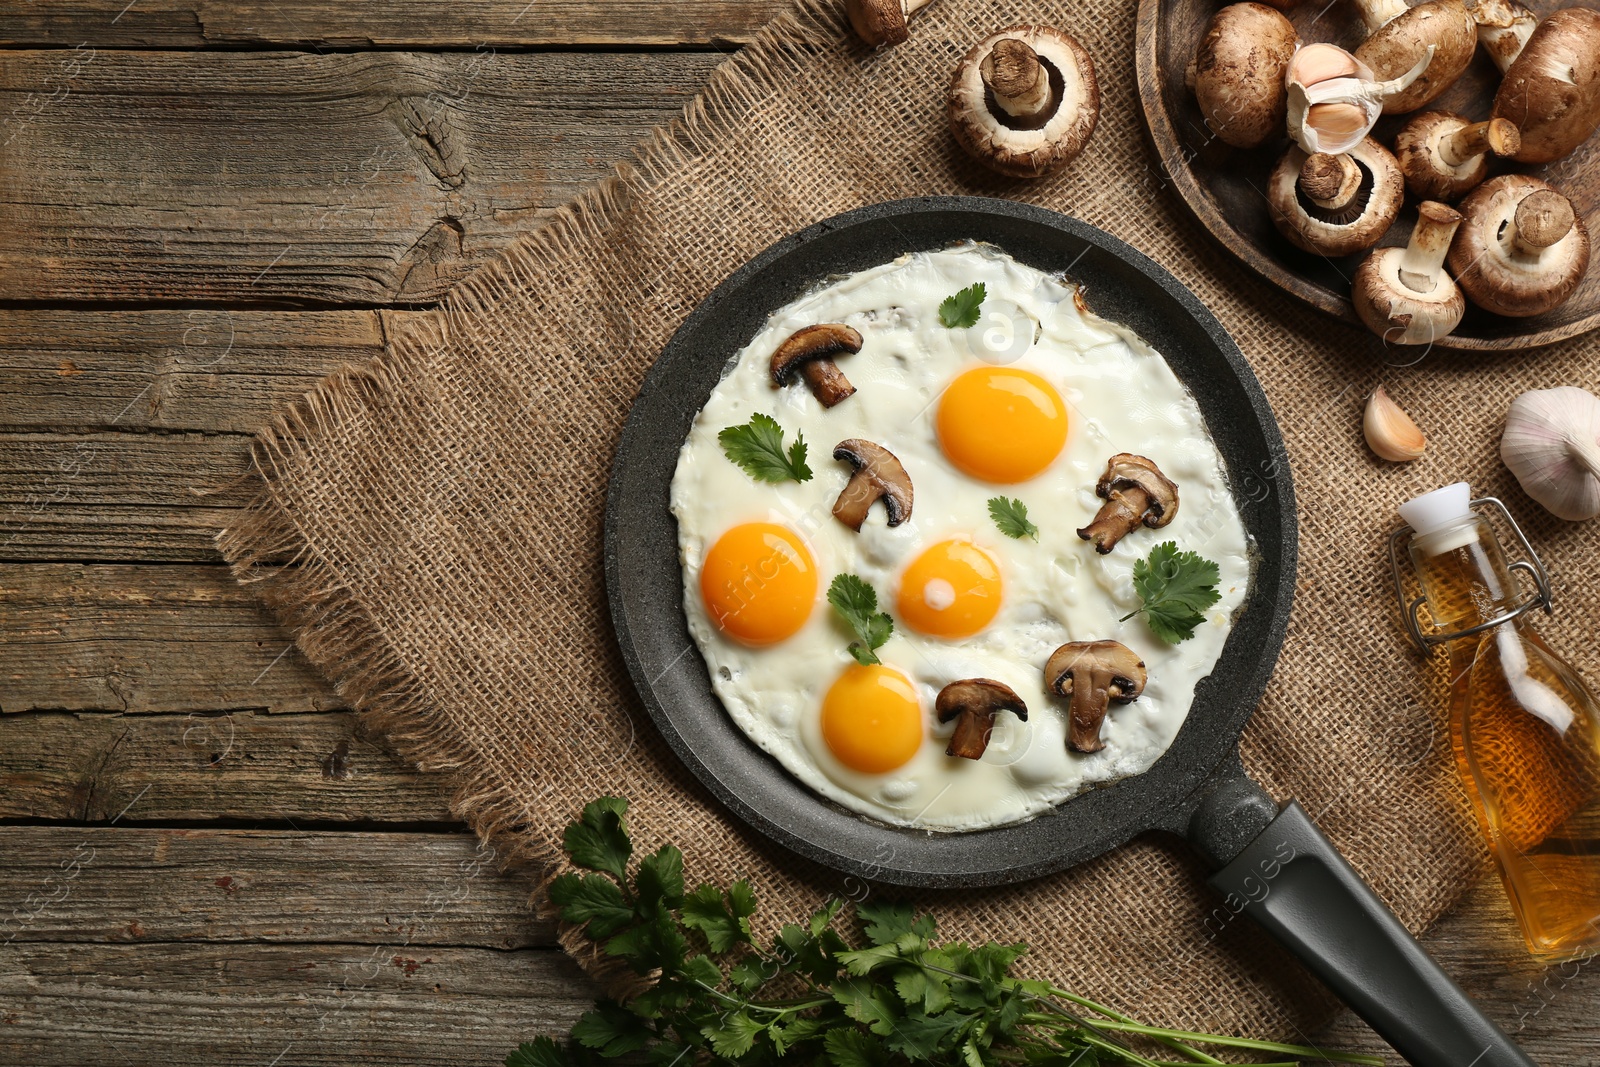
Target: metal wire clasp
1530, 566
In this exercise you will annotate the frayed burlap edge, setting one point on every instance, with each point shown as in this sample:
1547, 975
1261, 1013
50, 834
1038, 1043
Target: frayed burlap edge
269, 551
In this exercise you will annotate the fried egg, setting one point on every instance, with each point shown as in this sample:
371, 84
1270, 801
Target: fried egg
1029, 403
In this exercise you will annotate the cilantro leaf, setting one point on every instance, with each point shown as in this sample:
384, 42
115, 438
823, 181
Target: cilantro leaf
704, 910
592, 899
852, 1048
611, 1029
660, 877
1011, 515
732, 1034
757, 446
961, 310
599, 840
857, 603
1177, 588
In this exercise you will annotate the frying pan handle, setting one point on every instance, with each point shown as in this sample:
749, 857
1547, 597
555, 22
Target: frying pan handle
1293, 881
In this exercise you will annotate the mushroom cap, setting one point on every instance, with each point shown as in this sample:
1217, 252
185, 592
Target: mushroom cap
1428, 176
1239, 72
812, 342
1125, 470
1396, 312
878, 475
1552, 90
1330, 233
1026, 149
878, 22
984, 693
1403, 41
1496, 276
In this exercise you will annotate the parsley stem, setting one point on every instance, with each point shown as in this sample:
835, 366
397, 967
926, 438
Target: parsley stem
1303, 1051
1130, 614
1193, 1053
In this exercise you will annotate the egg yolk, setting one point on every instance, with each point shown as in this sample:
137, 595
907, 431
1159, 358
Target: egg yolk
759, 583
951, 590
871, 721
1001, 424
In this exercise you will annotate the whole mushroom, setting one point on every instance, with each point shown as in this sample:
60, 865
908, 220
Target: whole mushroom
1399, 37
1443, 156
1093, 674
1521, 249
1239, 71
1403, 294
881, 22
1551, 90
1336, 205
1504, 27
1024, 100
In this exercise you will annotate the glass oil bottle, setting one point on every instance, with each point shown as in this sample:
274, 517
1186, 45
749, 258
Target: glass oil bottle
1524, 727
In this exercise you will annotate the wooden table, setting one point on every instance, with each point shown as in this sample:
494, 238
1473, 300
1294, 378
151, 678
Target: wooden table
212, 204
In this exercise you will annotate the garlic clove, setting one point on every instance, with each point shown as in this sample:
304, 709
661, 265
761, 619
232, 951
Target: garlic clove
1552, 445
1334, 98
1390, 431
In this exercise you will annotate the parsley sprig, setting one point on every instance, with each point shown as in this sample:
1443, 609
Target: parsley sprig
758, 447
960, 310
1177, 588
1011, 516
864, 990
857, 603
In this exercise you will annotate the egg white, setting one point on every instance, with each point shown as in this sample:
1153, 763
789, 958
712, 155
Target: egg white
1121, 397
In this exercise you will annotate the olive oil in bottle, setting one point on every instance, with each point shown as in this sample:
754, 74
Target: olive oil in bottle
1524, 727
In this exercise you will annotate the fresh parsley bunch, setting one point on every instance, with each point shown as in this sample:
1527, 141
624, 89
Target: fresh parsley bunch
886, 996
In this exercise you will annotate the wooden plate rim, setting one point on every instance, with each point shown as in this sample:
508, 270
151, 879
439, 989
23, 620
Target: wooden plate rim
1199, 203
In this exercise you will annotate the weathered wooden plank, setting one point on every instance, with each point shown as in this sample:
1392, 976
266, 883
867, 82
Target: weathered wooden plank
212, 371
402, 23
190, 768
117, 637
303, 1005
131, 884
371, 178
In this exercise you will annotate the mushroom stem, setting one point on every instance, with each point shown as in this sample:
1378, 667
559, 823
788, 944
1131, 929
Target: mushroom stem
1019, 82
1423, 260
1496, 135
911, 7
1543, 218
1122, 512
1330, 182
1504, 27
1376, 14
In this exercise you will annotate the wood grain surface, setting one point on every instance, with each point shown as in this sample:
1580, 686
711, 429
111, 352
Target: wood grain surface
211, 206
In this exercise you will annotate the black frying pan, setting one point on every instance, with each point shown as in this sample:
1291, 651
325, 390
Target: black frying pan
1274, 864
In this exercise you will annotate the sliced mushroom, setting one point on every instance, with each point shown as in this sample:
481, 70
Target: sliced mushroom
973, 703
1135, 491
1521, 250
810, 352
878, 476
1024, 100
1239, 71
1403, 294
1551, 91
1093, 674
1317, 206
1444, 156
881, 22
1398, 38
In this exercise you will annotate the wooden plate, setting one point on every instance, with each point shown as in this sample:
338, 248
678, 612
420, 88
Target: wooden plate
1224, 186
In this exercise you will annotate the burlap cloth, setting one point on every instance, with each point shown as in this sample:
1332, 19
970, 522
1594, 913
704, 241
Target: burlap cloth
443, 511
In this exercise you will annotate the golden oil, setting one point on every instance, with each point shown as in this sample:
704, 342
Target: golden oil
1526, 735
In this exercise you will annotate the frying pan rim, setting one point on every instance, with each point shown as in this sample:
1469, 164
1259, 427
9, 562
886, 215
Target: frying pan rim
1161, 798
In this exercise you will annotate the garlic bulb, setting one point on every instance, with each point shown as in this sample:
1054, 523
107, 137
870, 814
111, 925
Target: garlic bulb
1552, 445
1390, 431
1335, 99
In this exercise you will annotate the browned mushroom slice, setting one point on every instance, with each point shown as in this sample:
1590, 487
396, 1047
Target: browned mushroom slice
973, 703
1093, 674
878, 476
810, 352
1135, 491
